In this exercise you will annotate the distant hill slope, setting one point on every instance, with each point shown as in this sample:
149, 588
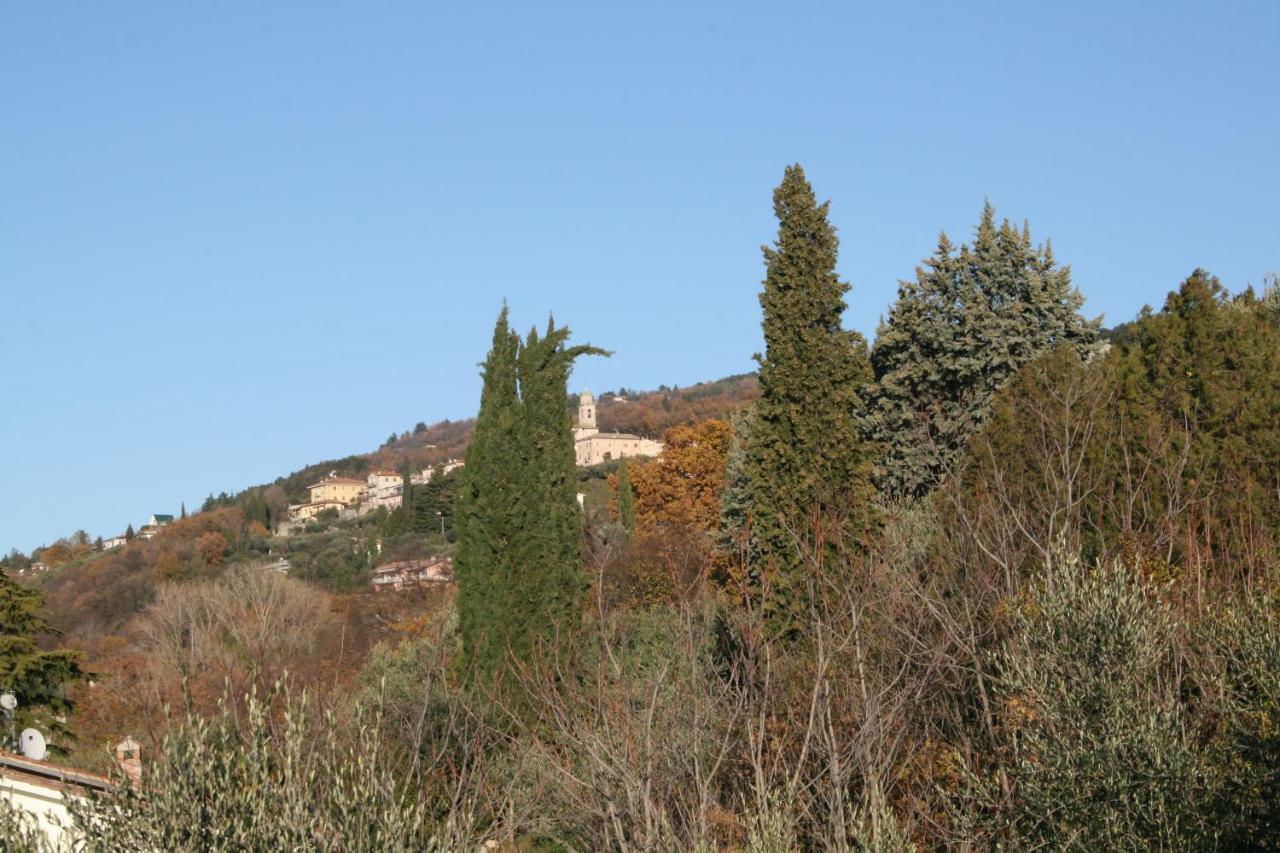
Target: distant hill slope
646, 413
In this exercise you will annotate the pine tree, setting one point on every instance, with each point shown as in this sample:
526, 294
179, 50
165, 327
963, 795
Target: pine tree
38, 678
808, 470
128, 533
956, 335
626, 499
519, 561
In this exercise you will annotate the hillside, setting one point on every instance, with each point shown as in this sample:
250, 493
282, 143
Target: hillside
646, 413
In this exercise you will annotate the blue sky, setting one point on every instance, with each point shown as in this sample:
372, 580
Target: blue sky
237, 238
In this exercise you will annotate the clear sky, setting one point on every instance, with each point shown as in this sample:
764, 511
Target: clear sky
237, 238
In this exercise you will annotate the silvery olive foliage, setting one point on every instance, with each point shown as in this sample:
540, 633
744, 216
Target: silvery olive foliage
1096, 746
277, 775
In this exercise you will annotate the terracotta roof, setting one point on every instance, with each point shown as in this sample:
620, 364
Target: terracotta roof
341, 481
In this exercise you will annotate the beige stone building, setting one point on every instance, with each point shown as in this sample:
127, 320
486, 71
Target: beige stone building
592, 446
304, 512
344, 490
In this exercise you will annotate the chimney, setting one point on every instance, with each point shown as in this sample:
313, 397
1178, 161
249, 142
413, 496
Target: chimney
129, 759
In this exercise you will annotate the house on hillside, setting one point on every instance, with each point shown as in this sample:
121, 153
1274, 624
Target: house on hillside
345, 490
405, 574
385, 488
152, 527
114, 542
591, 446
308, 511
426, 474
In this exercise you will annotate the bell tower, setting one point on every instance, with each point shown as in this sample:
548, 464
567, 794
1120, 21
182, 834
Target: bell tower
587, 413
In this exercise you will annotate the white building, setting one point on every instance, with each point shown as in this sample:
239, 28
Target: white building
426, 474
114, 542
386, 488
591, 446
40, 791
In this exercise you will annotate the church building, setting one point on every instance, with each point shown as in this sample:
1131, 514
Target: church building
594, 446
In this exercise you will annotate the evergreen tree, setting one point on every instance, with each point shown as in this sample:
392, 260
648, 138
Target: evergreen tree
519, 561
626, 499
406, 490
38, 678
128, 533
956, 335
806, 463
735, 501
184, 510
487, 509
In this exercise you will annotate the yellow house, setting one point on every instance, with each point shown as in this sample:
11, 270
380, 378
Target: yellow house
303, 512
344, 490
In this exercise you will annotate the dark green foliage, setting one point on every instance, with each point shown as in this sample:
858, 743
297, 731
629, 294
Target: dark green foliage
626, 499
38, 678
806, 461
254, 504
433, 504
129, 534
957, 334
519, 559
1197, 395
735, 502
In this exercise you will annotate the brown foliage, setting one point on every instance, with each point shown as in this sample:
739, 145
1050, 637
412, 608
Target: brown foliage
682, 488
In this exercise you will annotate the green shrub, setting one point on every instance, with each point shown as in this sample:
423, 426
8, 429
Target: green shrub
1095, 751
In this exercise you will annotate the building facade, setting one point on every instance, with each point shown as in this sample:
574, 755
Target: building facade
307, 511
385, 488
344, 490
405, 574
591, 446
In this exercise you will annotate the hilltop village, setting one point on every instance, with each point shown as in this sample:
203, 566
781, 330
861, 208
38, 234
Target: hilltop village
349, 497
339, 497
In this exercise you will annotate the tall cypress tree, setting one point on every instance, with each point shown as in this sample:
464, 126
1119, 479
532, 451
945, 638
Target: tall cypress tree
487, 506
519, 558
626, 499
808, 471
956, 335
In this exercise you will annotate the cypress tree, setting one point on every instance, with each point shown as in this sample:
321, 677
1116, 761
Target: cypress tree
626, 499
128, 533
808, 471
486, 509
956, 335
184, 510
519, 559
